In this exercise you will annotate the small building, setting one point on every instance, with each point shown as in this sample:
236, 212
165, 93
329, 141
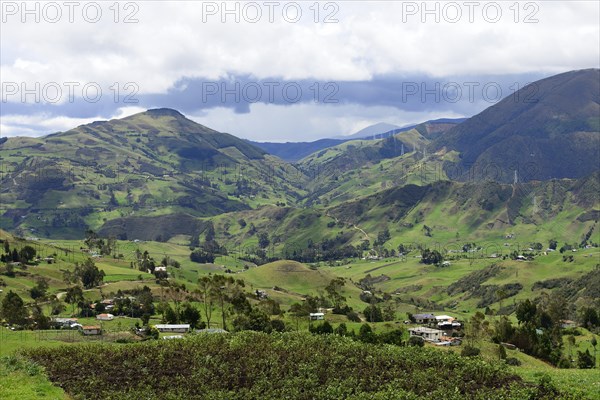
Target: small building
447, 322
567, 323
91, 330
431, 335
105, 317
177, 328
424, 318
67, 323
316, 316
211, 330
160, 269
444, 318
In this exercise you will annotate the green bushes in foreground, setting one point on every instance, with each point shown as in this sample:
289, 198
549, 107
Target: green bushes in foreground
252, 365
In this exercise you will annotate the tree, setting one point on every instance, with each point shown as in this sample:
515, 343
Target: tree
207, 297
190, 314
373, 313
263, 240
341, 330
56, 306
333, 292
6, 247
383, 236
40, 289
594, 343
13, 310
365, 334
589, 318
322, 329
209, 235
526, 312
27, 254
552, 245
38, 319
585, 360
15, 256
431, 257
416, 341
74, 296
88, 273
170, 316
202, 256
223, 288
256, 320
501, 351
474, 328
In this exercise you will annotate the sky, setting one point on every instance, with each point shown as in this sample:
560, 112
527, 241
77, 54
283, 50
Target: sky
280, 71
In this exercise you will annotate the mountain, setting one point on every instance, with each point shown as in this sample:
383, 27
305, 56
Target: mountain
145, 166
371, 130
548, 129
438, 214
364, 166
382, 130
295, 151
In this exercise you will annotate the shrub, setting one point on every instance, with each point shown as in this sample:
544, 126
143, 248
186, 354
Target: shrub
513, 361
416, 341
470, 351
276, 366
353, 316
501, 352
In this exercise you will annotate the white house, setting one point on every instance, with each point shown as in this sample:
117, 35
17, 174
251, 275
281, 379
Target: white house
178, 328
91, 330
105, 317
316, 316
431, 335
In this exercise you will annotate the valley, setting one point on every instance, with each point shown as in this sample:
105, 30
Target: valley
492, 221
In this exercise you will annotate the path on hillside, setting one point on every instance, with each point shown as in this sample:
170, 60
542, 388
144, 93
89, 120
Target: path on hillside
337, 221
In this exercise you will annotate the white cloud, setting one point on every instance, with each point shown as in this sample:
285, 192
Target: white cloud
42, 124
171, 42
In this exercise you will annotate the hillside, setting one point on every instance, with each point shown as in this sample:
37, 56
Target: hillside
146, 165
295, 151
548, 129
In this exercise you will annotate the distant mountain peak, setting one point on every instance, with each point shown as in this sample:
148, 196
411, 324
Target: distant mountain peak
371, 130
164, 112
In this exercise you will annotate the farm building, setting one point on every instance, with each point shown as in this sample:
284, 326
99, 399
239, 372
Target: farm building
316, 316
178, 328
431, 335
447, 322
424, 318
212, 330
91, 330
64, 322
105, 317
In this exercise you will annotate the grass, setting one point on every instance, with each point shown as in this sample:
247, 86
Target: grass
23, 380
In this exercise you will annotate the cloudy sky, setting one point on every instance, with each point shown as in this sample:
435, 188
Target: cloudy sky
280, 71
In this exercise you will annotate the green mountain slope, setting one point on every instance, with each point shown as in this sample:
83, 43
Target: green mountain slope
149, 164
548, 129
